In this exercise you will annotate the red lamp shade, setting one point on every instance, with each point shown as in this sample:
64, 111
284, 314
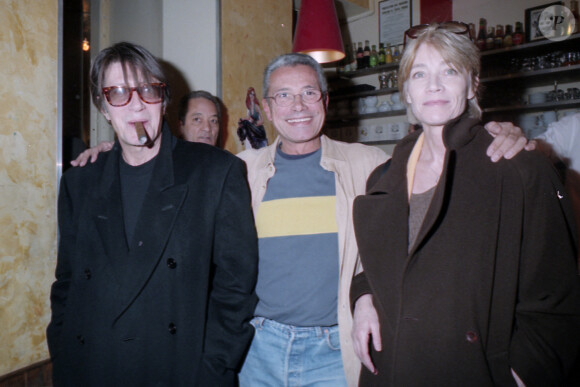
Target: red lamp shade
317, 31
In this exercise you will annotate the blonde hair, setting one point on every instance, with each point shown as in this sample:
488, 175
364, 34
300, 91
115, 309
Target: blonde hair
456, 49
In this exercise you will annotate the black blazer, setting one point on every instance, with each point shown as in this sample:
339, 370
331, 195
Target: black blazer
173, 309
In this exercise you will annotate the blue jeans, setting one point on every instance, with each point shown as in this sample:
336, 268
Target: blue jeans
289, 356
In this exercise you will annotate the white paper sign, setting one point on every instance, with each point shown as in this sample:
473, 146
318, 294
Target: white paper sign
394, 20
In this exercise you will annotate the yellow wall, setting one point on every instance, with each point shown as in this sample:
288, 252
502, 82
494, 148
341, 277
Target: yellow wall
253, 32
28, 147
28, 119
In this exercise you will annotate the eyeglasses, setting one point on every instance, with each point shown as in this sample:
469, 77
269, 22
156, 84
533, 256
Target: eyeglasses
456, 27
308, 96
121, 95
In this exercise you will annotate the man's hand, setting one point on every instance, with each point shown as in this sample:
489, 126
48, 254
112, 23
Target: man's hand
92, 154
365, 324
508, 142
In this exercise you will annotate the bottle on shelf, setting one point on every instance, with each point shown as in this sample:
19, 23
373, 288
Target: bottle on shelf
348, 57
344, 63
388, 54
518, 36
366, 55
508, 38
396, 54
498, 40
353, 61
382, 54
374, 58
480, 41
359, 56
490, 39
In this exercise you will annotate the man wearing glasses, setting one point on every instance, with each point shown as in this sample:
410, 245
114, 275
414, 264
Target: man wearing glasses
157, 256
302, 188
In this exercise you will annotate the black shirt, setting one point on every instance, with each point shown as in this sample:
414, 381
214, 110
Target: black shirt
134, 183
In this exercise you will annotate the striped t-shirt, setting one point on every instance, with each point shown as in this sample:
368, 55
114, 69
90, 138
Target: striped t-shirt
298, 241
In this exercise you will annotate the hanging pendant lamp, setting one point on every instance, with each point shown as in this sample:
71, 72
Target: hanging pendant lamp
317, 31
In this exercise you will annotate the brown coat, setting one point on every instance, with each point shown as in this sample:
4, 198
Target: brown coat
489, 285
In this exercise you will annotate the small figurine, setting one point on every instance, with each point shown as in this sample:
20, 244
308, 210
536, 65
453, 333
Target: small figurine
251, 127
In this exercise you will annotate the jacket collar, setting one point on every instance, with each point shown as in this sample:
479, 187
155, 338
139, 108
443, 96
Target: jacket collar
163, 161
329, 153
327, 149
398, 162
459, 132
456, 134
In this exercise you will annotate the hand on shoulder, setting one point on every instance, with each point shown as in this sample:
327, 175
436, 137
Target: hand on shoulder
92, 154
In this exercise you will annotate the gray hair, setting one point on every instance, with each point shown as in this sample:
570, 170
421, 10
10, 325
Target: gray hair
456, 49
184, 103
293, 60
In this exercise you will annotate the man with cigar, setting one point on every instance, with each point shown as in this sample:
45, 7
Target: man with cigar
157, 257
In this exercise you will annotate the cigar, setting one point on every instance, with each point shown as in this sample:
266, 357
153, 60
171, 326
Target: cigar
143, 136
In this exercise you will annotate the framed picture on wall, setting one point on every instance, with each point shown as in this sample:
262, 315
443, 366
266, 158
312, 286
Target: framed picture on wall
394, 20
534, 28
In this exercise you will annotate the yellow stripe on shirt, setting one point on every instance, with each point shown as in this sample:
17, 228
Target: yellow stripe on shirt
297, 216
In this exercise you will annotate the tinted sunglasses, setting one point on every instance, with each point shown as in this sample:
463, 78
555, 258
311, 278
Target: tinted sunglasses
456, 27
121, 95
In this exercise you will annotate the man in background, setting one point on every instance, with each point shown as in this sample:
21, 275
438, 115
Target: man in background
200, 117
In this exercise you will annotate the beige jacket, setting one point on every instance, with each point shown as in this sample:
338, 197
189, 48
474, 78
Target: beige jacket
351, 164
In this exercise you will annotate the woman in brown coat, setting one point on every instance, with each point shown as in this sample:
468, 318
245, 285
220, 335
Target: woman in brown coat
469, 264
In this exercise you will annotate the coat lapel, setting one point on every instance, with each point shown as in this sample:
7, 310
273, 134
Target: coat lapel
109, 214
157, 217
380, 225
435, 207
455, 135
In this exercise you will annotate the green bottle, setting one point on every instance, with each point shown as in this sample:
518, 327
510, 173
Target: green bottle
381, 54
374, 59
